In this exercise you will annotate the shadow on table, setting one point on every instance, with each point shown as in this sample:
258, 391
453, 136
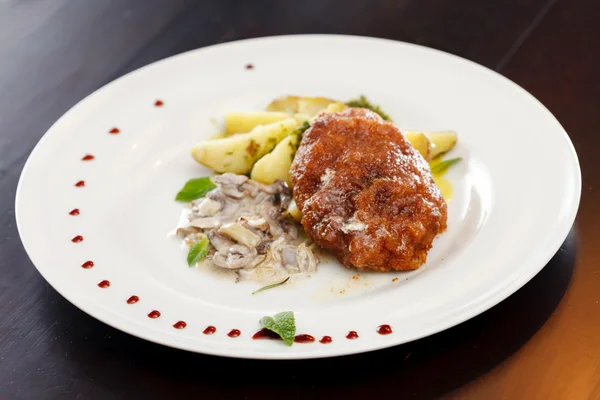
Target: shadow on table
125, 365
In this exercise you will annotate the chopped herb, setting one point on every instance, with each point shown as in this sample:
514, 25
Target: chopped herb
283, 324
444, 165
195, 188
362, 102
229, 153
274, 285
298, 132
305, 125
198, 251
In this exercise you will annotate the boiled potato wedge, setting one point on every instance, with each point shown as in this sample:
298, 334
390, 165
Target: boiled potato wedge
335, 107
242, 122
237, 154
276, 164
420, 142
442, 142
299, 105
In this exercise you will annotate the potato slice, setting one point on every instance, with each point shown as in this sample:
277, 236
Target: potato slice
276, 164
442, 142
420, 142
335, 107
242, 122
237, 154
299, 105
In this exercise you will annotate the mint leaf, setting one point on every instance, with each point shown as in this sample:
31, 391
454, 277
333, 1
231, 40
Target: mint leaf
274, 285
198, 251
444, 165
195, 188
283, 324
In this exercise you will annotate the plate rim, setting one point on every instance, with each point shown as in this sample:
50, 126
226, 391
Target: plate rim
562, 230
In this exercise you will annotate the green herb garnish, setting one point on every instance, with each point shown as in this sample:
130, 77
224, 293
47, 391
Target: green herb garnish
195, 188
283, 324
362, 102
274, 285
305, 125
444, 165
198, 251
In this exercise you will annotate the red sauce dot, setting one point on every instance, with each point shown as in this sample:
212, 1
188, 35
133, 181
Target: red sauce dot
154, 314
352, 335
266, 334
87, 264
384, 329
133, 299
234, 333
249, 66
304, 338
77, 239
326, 340
74, 211
158, 103
80, 184
209, 330
114, 131
88, 157
179, 325
104, 284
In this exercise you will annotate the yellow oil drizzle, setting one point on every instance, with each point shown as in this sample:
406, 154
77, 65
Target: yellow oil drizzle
442, 183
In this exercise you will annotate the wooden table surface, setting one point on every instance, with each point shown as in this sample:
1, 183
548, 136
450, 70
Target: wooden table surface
542, 342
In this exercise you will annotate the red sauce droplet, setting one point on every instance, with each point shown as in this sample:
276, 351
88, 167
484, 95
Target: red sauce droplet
74, 211
304, 338
234, 333
80, 184
249, 66
326, 340
209, 330
154, 314
352, 335
179, 325
104, 284
133, 299
384, 329
114, 131
88, 157
87, 264
158, 103
266, 334
77, 239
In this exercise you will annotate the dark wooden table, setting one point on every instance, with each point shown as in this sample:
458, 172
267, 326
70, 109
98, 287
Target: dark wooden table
543, 342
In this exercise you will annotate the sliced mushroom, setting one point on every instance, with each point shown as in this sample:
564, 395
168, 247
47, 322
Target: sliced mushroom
258, 223
288, 256
207, 207
229, 179
187, 230
206, 222
219, 241
306, 259
235, 257
240, 234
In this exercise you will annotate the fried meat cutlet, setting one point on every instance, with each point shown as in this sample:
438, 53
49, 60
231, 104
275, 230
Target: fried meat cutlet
365, 194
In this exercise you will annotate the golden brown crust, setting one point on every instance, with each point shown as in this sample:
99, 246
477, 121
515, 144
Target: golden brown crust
365, 194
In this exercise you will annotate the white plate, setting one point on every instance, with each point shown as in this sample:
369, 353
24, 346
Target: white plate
516, 195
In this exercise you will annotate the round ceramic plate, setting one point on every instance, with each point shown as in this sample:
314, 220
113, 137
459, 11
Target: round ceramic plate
516, 194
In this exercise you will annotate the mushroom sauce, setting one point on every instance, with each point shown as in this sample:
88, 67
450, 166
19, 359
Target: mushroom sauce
245, 224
